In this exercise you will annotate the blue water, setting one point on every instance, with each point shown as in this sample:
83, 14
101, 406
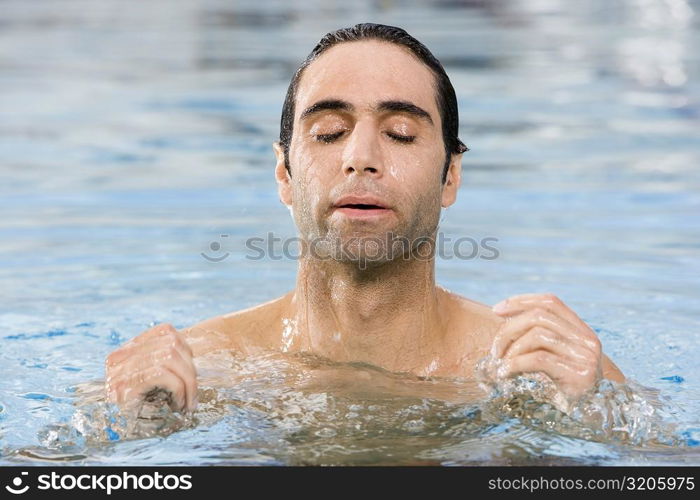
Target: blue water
134, 135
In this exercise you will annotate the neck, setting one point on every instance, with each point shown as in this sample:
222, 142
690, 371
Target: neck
387, 316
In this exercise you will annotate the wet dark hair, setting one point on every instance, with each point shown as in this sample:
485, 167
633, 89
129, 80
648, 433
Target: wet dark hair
445, 93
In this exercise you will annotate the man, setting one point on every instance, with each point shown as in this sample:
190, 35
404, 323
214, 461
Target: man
368, 148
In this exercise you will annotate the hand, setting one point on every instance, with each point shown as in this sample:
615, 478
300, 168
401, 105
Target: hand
541, 334
159, 358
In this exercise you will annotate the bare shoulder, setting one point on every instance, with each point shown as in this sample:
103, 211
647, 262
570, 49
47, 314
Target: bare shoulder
471, 328
468, 316
244, 330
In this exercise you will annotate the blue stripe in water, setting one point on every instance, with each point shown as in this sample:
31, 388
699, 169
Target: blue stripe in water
24, 336
690, 436
113, 436
36, 396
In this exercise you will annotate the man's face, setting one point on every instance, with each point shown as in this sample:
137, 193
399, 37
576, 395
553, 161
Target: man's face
366, 125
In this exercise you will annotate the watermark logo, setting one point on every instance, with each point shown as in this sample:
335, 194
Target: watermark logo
17, 483
215, 246
364, 250
108, 483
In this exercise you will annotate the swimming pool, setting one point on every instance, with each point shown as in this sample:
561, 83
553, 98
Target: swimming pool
134, 140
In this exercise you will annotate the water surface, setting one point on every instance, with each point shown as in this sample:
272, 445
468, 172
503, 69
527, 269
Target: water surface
133, 136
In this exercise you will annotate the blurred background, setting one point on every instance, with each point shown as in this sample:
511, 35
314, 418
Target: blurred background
135, 142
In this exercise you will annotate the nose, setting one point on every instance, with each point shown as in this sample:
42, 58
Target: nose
362, 154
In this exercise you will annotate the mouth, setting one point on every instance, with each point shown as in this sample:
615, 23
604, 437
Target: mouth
362, 207
361, 202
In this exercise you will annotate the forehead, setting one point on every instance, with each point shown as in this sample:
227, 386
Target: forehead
365, 72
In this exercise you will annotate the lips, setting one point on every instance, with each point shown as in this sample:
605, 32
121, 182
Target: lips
362, 208
361, 202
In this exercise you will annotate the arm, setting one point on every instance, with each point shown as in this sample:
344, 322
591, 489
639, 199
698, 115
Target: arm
213, 334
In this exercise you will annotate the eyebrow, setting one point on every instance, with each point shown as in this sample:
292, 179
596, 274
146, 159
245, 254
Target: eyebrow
394, 106
326, 104
405, 107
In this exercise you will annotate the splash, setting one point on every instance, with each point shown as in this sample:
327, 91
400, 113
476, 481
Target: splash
96, 423
288, 333
627, 413
303, 409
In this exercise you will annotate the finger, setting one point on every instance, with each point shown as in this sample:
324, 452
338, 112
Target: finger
153, 342
134, 387
543, 339
160, 349
179, 361
156, 331
175, 385
173, 337
559, 370
138, 371
131, 350
155, 334
517, 326
184, 366
172, 353
548, 301
171, 382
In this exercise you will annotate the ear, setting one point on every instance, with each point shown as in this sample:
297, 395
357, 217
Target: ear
454, 179
284, 187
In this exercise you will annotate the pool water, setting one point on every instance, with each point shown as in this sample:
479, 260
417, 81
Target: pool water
136, 159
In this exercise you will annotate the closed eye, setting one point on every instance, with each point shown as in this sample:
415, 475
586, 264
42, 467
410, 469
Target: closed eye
401, 138
328, 137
